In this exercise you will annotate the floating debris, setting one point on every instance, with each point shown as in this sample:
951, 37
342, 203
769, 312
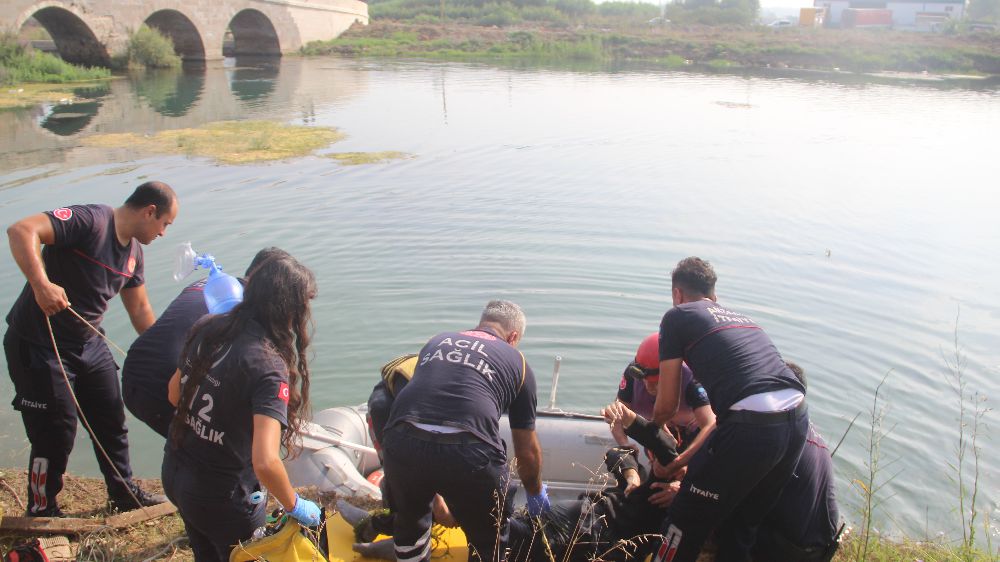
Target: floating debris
357, 158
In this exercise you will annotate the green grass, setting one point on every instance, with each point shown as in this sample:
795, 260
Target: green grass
20, 64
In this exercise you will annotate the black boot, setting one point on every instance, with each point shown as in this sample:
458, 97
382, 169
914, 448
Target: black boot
126, 502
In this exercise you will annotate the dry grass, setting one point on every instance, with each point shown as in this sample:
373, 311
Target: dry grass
229, 142
85, 498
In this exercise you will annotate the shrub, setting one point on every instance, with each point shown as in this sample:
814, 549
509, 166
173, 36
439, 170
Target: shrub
20, 64
149, 48
500, 15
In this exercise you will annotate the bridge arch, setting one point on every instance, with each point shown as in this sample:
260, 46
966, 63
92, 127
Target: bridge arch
74, 39
253, 34
181, 30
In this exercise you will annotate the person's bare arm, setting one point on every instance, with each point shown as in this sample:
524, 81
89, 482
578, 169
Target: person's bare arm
706, 423
668, 391
528, 452
174, 388
26, 237
140, 312
266, 459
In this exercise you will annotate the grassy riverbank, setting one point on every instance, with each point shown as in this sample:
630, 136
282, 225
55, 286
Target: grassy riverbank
162, 538
677, 47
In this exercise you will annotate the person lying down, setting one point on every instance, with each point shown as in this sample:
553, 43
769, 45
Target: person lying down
616, 523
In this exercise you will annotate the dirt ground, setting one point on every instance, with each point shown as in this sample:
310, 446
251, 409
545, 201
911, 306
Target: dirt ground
160, 539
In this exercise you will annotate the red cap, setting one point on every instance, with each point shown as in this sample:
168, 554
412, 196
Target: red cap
648, 354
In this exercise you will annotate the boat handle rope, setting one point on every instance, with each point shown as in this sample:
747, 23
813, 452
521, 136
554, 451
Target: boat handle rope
83, 417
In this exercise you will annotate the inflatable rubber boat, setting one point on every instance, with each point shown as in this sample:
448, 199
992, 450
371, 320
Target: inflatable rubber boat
338, 454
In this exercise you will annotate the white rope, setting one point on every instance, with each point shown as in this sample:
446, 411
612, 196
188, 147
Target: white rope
96, 331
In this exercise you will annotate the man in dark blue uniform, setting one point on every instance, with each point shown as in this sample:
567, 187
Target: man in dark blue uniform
90, 254
443, 436
804, 526
760, 407
152, 359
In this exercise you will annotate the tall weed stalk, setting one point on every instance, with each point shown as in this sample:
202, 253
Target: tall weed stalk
871, 484
972, 410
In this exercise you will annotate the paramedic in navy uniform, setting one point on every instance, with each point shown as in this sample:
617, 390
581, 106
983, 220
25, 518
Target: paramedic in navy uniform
762, 422
152, 359
241, 393
90, 254
443, 436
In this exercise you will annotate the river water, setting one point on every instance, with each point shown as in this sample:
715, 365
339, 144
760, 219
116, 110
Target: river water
856, 220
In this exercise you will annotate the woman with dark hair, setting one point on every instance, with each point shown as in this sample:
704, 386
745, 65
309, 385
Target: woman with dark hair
241, 395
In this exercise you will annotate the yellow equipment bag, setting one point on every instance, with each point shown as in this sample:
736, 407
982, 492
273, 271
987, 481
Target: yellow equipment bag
287, 545
449, 545
290, 545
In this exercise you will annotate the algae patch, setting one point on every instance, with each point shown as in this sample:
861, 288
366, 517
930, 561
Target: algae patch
230, 142
28, 95
358, 158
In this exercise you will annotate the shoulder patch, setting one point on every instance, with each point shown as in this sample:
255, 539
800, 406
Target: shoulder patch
63, 213
283, 392
131, 265
623, 384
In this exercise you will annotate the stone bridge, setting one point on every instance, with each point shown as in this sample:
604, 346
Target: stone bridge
92, 31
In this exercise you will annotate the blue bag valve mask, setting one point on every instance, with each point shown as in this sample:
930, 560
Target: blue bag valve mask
222, 291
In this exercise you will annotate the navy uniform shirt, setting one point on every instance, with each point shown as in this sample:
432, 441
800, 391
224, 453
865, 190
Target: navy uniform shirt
730, 354
152, 359
88, 262
248, 377
466, 380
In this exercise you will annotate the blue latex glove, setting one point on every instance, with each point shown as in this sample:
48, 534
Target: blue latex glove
539, 504
305, 511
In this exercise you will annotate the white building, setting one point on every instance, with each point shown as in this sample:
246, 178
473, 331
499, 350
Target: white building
905, 13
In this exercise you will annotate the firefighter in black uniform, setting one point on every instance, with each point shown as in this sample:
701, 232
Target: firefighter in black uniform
805, 525
762, 421
443, 438
90, 254
152, 359
241, 395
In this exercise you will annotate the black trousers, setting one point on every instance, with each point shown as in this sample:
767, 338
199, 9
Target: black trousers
733, 481
470, 475
216, 511
50, 417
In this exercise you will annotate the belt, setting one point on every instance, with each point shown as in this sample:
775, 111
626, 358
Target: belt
763, 418
457, 438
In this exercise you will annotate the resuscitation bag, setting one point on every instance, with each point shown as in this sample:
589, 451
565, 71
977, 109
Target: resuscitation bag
289, 544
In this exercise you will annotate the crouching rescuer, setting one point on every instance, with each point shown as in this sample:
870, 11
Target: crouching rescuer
442, 436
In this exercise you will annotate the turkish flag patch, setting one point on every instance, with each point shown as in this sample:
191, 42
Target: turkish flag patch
131, 265
283, 392
623, 384
63, 213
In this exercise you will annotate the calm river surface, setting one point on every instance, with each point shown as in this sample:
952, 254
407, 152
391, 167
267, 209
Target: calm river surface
854, 221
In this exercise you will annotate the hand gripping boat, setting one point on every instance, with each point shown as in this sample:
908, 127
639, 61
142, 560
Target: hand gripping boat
338, 454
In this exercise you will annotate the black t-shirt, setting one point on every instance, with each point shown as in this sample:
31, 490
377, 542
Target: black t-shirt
248, 377
466, 380
88, 262
152, 359
729, 354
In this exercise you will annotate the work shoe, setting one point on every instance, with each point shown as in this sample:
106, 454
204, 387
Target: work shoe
52, 511
127, 503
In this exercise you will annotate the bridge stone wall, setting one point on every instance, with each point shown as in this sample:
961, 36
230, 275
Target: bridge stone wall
91, 31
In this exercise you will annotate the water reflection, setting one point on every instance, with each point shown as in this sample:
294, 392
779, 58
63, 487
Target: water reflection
153, 101
68, 119
253, 78
170, 92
